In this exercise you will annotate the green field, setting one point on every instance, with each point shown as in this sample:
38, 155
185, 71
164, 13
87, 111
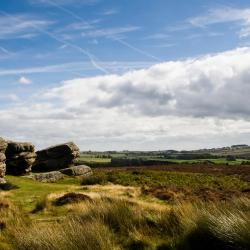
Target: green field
105, 159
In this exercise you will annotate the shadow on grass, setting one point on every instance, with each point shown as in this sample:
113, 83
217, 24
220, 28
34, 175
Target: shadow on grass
7, 186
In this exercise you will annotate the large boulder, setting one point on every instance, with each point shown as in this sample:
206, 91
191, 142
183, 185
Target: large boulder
81, 170
48, 177
20, 158
56, 157
3, 146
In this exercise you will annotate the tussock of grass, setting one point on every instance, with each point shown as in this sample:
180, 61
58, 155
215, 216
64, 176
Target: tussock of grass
94, 180
72, 234
71, 198
40, 205
11, 214
218, 228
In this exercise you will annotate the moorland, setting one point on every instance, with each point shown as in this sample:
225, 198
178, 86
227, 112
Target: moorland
150, 200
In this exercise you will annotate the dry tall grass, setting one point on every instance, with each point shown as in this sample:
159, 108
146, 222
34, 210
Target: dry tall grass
108, 223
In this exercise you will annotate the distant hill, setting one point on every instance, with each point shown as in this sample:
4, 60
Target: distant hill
241, 150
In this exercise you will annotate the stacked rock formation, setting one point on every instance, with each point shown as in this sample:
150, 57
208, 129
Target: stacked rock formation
3, 146
56, 157
20, 158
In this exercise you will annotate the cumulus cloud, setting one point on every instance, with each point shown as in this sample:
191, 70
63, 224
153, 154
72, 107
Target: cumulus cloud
211, 86
199, 102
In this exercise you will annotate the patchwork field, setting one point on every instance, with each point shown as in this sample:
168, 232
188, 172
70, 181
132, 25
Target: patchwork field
155, 208
229, 157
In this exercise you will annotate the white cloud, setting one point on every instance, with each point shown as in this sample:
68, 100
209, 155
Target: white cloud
20, 26
78, 26
110, 12
199, 102
64, 2
225, 15
163, 45
9, 97
24, 80
109, 32
215, 85
81, 67
157, 36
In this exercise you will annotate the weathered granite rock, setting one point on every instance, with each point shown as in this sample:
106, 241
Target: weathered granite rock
48, 177
2, 157
56, 157
20, 158
19, 147
2, 181
3, 146
2, 169
81, 170
2, 172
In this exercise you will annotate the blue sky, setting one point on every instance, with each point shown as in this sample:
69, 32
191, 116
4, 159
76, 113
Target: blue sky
46, 45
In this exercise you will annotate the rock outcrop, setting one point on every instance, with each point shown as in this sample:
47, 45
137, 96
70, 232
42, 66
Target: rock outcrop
56, 157
20, 158
3, 146
81, 170
48, 177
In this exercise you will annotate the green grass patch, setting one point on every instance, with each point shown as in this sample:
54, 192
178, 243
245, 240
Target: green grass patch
30, 192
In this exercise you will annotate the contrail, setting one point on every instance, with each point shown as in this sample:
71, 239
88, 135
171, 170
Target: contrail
5, 51
51, 35
111, 37
136, 49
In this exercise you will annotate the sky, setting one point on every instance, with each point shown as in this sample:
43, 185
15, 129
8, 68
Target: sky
125, 75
